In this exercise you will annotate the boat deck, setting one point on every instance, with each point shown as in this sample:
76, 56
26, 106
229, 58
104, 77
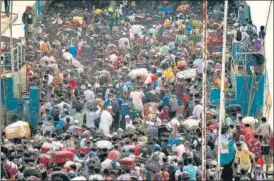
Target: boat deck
6, 20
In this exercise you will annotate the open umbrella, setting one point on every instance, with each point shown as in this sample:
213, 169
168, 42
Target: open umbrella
104, 144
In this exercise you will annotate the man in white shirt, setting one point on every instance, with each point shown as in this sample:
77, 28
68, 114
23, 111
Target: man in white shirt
91, 115
197, 110
264, 129
245, 36
124, 41
89, 95
129, 124
199, 64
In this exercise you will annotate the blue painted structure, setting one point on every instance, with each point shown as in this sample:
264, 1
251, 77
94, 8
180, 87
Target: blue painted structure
26, 108
245, 84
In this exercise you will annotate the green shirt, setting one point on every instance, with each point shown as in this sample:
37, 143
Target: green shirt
181, 39
166, 49
133, 114
111, 25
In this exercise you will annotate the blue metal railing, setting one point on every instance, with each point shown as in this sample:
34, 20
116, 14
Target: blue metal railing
19, 58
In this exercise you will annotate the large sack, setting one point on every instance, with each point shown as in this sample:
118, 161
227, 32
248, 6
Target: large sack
60, 157
127, 163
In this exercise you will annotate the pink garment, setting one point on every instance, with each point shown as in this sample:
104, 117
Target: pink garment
218, 66
137, 99
164, 113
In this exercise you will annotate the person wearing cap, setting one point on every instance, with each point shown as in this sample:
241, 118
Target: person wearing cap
89, 94
106, 120
129, 124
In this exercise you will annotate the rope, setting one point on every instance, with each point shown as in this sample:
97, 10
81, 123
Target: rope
268, 15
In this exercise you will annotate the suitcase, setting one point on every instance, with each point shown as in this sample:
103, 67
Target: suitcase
127, 163
265, 149
60, 157
45, 147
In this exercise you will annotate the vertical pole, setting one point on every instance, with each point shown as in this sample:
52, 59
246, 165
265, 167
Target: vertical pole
204, 90
1, 107
222, 96
11, 42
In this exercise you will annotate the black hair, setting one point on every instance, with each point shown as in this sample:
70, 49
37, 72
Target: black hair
243, 171
263, 119
262, 28
247, 125
189, 160
73, 166
97, 170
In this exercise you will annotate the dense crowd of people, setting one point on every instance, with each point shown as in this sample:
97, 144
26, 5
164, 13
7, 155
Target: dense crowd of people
121, 95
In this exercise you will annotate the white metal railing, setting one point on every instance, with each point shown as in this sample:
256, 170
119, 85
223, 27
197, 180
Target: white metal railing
18, 56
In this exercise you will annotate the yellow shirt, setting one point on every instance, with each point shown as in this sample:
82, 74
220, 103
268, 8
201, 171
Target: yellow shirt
218, 83
243, 155
100, 102
168, 74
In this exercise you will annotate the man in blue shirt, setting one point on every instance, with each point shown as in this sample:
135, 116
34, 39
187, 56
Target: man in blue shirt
165, 100
191, 169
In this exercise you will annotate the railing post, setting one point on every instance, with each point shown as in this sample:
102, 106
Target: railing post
22, 53
18, 58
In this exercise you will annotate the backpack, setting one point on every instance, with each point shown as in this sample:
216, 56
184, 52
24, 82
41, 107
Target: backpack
173, 103
239, 35
115, 106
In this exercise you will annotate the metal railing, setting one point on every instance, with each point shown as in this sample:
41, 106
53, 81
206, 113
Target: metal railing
19, 59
